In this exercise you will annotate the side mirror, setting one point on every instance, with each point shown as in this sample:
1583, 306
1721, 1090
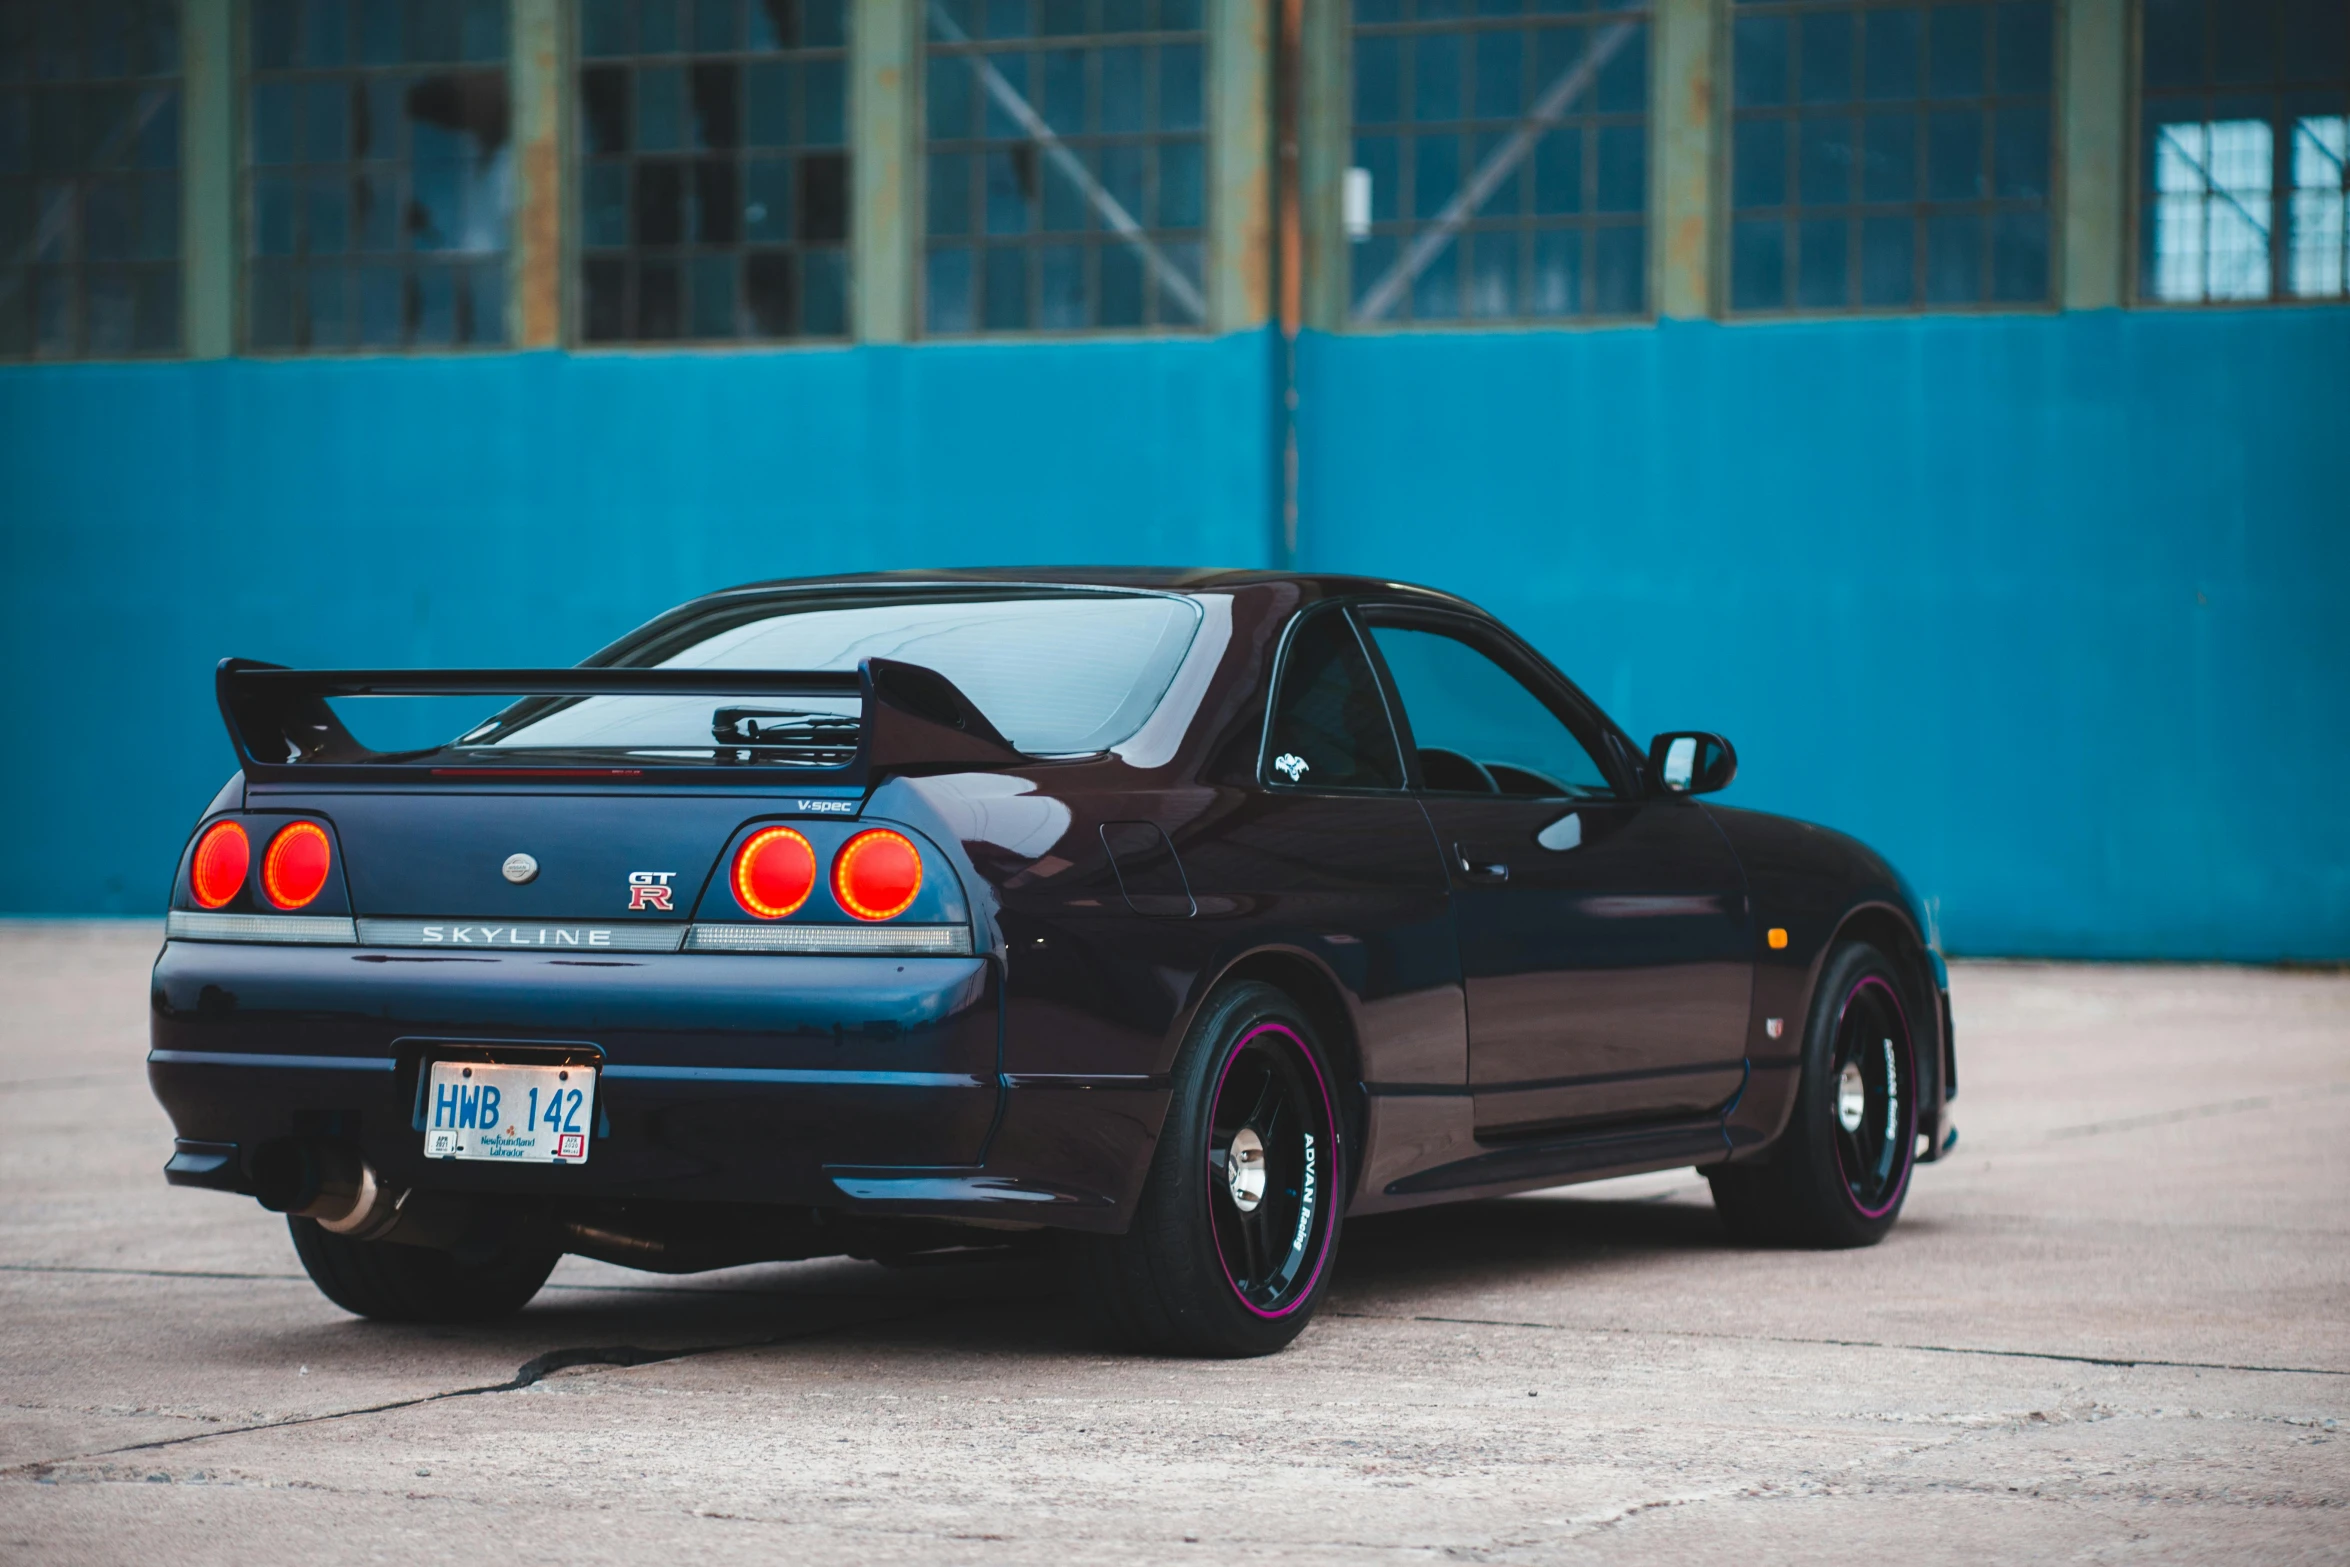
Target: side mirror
1690, 761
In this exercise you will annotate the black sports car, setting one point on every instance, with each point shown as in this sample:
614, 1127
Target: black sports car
1168, 916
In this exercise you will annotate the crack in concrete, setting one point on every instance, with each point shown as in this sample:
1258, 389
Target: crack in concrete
2133, 1123
2120, 1362
529, 1373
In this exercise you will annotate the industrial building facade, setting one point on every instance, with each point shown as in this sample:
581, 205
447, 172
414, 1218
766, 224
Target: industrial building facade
1935, 396
336, 176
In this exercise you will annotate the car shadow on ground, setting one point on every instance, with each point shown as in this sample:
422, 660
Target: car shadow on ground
1527, 1240
1021, 1304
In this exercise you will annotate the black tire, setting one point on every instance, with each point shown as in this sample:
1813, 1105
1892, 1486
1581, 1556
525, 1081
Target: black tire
475, 1283
1230, 1253
1838, 1174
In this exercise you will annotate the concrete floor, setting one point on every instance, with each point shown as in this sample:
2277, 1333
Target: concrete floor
2116, 1326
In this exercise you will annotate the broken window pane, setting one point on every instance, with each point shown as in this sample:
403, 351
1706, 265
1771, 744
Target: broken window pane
1082, 163
2242, 131
379, 176
1936, 198
1498, 147
89, 180
713, 173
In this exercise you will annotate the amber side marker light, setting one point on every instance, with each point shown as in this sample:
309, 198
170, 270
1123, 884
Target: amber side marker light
223, 855
1777, 938
294, 869
876, 874
774, 873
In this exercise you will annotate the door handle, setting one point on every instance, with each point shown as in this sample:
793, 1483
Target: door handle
1478, 869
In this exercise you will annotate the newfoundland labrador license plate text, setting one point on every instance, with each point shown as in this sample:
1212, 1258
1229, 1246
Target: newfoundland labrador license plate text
521, 1114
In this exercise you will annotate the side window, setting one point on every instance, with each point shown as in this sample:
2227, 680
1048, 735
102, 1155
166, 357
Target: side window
1330, 728
1478, 729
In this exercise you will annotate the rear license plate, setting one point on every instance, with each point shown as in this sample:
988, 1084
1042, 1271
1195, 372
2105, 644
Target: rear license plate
520, 1114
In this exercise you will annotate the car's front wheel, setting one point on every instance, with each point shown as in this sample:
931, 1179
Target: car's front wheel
1838, 1174
1237, 1228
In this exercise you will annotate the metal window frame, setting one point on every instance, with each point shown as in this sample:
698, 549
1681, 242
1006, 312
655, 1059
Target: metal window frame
1094, 241
2137, 197
2055, 204
1647, 14
80, 178
572, 160
243, 263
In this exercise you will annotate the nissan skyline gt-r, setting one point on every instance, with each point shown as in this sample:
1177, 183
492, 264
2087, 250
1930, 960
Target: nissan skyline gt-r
1169, 917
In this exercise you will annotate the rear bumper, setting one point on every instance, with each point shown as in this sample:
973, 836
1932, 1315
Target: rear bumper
869, 1083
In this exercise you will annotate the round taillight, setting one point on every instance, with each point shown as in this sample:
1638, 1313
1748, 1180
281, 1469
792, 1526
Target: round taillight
294, 869
223, 855
774, 873
876, 874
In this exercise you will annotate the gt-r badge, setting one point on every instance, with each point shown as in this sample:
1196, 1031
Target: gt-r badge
650, 890
519, 868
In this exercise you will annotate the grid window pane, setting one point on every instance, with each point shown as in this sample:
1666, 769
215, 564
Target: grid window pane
1505, 151
89, 179
2244, 134
1890, 156
1067, 165
379, 175
714, 173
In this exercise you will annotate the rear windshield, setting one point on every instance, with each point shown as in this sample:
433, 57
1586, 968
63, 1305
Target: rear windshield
1057, 672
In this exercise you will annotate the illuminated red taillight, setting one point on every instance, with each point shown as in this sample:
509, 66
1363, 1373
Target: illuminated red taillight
774, 873
223, 855
876, 875
294, 869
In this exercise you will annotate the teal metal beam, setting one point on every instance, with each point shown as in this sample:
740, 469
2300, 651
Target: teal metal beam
208, 179
2094, 158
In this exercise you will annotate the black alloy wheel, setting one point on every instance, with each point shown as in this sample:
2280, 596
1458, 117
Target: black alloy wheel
1837, 1175
1876, 1097
1234, 1237
1268, 1149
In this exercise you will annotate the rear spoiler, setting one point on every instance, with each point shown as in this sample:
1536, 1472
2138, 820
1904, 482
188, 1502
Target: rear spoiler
910, 719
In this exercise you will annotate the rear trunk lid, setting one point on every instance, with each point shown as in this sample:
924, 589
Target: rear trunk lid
601, 856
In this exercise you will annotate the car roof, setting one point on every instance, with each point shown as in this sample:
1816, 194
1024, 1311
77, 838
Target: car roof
1169, 579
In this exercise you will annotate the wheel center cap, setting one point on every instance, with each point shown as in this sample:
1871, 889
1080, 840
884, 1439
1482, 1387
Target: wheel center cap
1244, 1170
1852, 1097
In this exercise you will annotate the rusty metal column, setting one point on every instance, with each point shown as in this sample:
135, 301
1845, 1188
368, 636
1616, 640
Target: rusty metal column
2093, 157
885, 157
1240, 164
1684, 131
534, 311
1325, 148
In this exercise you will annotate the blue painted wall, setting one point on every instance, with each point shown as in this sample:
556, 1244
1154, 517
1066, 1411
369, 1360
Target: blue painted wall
2051, 609
2046, 607
525, 510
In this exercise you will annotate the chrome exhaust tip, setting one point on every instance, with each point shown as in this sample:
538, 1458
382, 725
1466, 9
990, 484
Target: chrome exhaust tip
328, 1183
365, 1214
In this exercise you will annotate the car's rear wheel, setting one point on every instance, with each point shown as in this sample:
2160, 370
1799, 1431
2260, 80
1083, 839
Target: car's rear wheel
1237, 1228
1838, 1174
487, 1279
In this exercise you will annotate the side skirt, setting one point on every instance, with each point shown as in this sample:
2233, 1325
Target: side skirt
1549, 1161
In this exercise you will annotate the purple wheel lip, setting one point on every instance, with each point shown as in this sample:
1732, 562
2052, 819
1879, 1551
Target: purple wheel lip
1321, 1256
1909, 1141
